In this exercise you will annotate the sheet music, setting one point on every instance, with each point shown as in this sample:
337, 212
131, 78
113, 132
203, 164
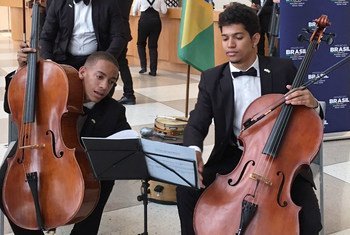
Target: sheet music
169, 162
125, 134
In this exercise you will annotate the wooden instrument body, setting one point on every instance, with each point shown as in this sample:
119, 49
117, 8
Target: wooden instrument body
67, 189
218, 211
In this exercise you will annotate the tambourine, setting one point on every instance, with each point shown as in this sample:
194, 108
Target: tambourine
171, 126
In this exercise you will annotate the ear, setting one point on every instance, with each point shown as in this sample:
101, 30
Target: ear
255, 39
82, 72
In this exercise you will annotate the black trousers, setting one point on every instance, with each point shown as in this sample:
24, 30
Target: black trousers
149, 27
264, 31
125, 73
88, 226
75, 61
302, 194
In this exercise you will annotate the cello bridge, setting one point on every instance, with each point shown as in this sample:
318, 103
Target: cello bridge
263, 179
33, 146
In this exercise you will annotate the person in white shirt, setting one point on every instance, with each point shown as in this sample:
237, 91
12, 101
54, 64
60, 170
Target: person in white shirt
149, 27
74, 29
225, 93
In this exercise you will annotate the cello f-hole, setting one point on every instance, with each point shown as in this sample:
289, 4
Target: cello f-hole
60, 153
242, 173
285, 203
21, 159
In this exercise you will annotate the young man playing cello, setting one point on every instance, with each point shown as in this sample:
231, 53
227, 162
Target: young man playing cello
223, 96
105, 117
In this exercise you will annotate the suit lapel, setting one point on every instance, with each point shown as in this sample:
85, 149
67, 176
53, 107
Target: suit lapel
95, 16
227, 95
70, 15
265, 76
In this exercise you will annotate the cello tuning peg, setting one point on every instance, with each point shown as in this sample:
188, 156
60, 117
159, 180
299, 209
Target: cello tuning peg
301, 38
329, 40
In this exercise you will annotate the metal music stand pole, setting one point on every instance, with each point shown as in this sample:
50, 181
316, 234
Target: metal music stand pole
144, 197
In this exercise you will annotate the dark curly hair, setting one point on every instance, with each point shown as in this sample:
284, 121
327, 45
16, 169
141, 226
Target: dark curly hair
236, 13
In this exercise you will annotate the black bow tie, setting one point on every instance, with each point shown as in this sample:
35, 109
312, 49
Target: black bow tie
249, 72
86, 2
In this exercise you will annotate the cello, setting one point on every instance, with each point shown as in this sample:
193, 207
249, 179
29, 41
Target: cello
49, 181
279, 141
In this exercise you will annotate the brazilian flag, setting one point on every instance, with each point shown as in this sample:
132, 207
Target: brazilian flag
196, 42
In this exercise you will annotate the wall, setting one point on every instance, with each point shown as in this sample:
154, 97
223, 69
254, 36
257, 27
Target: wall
4, 22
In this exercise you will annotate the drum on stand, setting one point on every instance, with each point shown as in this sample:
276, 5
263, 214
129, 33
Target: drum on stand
162, 193
172, 126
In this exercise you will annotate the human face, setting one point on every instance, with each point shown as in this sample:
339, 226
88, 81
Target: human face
239, 47
98, 79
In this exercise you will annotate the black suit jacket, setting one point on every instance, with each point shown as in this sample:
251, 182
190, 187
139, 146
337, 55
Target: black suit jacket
105, 118
265, 14
216, 101
58, 27
125, 6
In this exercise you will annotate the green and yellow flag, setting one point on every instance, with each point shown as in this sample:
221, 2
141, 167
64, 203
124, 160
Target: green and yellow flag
196, 42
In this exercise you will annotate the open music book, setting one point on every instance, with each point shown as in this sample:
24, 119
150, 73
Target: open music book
124, 155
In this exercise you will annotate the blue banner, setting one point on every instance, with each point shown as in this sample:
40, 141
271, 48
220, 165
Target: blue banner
334, 88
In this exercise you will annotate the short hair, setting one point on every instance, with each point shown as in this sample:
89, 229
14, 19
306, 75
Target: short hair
237, 13
101, 55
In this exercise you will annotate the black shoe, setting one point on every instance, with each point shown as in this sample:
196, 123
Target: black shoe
152, 73
143, 71
127, 100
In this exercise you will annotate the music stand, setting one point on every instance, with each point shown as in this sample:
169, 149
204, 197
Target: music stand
115, 159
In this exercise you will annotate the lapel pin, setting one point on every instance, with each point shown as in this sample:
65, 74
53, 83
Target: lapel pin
93, 121
70, 5
267, 71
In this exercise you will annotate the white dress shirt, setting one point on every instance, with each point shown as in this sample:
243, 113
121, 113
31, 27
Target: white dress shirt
83, 41
142, 5
246, 90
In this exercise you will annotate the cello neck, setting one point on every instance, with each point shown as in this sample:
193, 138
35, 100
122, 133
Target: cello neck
277, 133
29, 105
304, 66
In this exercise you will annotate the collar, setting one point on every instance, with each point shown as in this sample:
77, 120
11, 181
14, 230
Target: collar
89, 105
255, 65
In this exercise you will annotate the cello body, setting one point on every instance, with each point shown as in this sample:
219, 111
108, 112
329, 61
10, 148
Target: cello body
278, 140
49, 148
275, 211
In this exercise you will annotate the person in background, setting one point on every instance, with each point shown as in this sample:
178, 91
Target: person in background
225, 92
149, 27
105, 117
264, 9
128, 97
74, 29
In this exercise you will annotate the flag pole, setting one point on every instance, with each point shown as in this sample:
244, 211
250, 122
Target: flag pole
187, 89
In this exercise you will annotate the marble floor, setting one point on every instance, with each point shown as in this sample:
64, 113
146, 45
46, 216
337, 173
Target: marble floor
165, 95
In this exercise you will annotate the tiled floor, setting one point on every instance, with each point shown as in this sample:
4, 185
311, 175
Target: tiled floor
165, 95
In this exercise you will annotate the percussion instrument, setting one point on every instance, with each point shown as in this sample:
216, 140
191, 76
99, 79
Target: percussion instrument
162, 193
172, 126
